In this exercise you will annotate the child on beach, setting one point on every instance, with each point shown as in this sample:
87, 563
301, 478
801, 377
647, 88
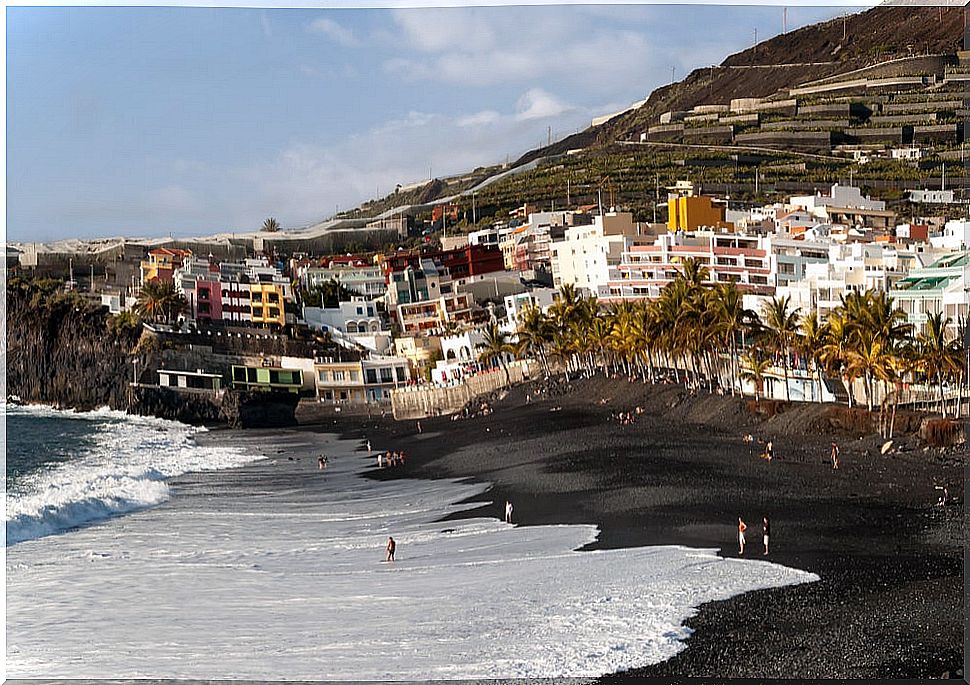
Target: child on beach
835, 456
508, 511
741, 528
391, 546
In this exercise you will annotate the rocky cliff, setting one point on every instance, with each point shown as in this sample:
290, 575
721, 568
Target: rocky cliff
66, 352
61, 350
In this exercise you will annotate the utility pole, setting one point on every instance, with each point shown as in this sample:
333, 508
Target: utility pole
549, 136
784, 20
92, 278
756, 40
672, 74
569, 200
474, 216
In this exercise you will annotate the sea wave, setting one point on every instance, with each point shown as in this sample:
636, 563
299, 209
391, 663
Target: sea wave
124, 471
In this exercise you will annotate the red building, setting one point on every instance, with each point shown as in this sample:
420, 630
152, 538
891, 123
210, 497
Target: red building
462, 262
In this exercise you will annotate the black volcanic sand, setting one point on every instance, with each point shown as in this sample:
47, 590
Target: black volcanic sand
890, 602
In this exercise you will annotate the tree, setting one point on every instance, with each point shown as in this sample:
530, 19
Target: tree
158, 300
811, 344
271, 225
939, 358
534, 332
495, 345
753, 369
782, 325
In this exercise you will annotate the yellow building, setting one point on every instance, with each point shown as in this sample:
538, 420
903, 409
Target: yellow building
161, 264
687, 213
266, 301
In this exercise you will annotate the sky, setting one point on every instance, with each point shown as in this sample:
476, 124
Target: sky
189, 121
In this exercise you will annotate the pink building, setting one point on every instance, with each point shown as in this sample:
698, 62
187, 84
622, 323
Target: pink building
644, 270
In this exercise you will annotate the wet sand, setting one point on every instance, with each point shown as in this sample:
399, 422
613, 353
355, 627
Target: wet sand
890, 603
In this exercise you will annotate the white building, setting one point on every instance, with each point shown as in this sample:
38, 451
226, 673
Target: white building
930, 197
357, 322
838, 196
586, 254
543, 298
955, 236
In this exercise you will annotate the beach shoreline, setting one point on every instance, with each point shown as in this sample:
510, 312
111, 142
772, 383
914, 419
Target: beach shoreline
890, 601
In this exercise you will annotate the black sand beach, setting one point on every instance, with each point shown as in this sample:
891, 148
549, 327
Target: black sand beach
890, 602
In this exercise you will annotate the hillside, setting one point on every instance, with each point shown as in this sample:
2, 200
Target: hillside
806, 54
822, 52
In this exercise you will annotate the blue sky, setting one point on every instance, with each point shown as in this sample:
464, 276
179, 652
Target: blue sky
150, 121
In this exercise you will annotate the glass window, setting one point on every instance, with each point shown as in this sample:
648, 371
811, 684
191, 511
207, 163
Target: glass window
401, 376
354, 376
323, 375
371, 375
386, 375
339, 375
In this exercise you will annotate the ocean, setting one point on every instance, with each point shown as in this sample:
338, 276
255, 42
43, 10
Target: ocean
137, 554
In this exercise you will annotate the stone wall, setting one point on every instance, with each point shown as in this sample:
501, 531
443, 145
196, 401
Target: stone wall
419, 402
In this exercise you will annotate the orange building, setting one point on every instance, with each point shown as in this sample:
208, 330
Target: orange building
690, 212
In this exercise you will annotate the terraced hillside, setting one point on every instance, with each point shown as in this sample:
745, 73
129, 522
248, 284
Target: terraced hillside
779, 117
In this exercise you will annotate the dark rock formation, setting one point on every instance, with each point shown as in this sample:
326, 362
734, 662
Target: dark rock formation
60, 351
66, 352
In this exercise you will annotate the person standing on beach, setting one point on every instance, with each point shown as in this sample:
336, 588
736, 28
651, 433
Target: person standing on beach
368, 447
391, 546
835, 456
380, 460
508, 511
769, 450
419, 426
741, 528
766, 530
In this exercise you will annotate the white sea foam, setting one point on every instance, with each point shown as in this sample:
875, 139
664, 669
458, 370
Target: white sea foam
234, 579
123, 472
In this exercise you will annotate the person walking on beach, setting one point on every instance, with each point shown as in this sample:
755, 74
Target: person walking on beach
769, 450
322, 462
391, 546
419, 426
368, 447
508, 511
741, 528
380, 460
835, 456
766, 527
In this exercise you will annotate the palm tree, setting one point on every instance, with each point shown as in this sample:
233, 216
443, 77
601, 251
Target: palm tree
159, 300
782, 325
271, 225
939, 358
869, 359
150, 301
753, 367
495, 345
836, 348
811, 344
732, 320
533, 333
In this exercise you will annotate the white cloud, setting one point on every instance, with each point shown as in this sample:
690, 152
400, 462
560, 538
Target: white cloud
476, 47
305, 182
339, 34
538, 104
482, 118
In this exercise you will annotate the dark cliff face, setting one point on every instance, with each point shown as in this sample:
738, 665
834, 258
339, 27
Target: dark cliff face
61, 351
70, 354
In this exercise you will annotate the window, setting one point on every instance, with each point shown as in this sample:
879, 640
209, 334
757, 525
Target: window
354, 376
360, 311
323, 375
339, 375
401, 376
371, 375
203, 293
386, 375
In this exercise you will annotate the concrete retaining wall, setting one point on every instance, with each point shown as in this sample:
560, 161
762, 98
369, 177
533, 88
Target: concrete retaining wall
419, 402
